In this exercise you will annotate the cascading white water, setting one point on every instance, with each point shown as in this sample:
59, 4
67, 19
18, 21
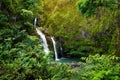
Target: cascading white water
55, 50
42, 36
35, 22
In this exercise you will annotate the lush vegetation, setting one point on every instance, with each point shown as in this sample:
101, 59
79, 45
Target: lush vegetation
88, 29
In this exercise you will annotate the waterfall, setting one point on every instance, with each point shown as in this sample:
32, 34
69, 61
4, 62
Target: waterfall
55, 50
35, 22
42, 36
61, 49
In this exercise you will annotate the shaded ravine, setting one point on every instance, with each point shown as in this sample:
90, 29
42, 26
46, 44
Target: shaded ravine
46, 49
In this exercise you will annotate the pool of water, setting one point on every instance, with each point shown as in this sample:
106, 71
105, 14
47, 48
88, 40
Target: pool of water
68, 60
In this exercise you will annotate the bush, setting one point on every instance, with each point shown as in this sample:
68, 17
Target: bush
26, 14
105, 67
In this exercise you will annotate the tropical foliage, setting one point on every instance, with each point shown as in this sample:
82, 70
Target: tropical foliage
85, 29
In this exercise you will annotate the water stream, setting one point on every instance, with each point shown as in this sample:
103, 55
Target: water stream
55, 50
61, 49
42, 36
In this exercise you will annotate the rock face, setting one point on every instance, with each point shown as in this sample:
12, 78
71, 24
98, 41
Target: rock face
0, 4
85, 34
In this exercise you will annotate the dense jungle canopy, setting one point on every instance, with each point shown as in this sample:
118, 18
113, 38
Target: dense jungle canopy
84, 29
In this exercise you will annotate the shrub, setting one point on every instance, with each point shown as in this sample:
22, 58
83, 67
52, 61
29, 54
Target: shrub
105, 67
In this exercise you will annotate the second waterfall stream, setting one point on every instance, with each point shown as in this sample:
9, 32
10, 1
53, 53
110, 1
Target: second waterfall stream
55, 50
42, 36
